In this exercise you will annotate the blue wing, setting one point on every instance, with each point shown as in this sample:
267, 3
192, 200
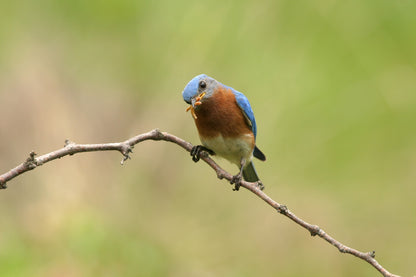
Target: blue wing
245, 107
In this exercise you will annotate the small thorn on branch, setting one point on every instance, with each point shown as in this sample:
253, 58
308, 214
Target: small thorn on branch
31, 161
69, 143
315, 230
158, 134
3, 185
126, 150
372, 254
342, 249
282, 209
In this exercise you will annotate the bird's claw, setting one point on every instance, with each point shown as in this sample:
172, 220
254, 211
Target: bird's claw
236, 180
260, 185
196, 152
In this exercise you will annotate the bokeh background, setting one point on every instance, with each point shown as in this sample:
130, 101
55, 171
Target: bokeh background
333, 87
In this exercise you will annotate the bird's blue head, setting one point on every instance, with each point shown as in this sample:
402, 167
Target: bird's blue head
199, 88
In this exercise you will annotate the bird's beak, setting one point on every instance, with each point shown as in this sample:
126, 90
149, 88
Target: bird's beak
195, 101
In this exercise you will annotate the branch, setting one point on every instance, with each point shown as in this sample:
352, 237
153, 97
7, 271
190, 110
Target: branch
125, 148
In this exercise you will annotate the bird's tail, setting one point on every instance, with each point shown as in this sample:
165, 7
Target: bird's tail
250, 173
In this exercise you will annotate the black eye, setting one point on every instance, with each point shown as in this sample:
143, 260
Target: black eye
202, 84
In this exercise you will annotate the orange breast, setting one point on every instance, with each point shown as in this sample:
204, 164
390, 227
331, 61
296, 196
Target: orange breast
220, 114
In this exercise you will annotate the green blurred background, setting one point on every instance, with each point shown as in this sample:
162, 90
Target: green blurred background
333, 87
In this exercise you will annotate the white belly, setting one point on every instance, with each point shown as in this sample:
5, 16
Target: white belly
231, 149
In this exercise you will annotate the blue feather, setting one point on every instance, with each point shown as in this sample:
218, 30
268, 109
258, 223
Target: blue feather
244, 105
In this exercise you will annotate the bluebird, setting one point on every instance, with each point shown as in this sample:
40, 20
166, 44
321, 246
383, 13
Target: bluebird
226, 125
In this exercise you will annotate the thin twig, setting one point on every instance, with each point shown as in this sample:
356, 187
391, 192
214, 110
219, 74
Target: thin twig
125, 148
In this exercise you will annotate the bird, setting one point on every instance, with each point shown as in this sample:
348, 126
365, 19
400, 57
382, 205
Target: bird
226, 125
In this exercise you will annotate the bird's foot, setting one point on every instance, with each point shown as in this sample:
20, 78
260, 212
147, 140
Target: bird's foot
196, 152
236, 180
260, 185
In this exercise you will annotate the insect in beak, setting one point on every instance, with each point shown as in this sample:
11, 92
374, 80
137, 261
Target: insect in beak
195, 102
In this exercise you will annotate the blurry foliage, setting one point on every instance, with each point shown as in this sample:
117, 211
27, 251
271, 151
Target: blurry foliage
333, 87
